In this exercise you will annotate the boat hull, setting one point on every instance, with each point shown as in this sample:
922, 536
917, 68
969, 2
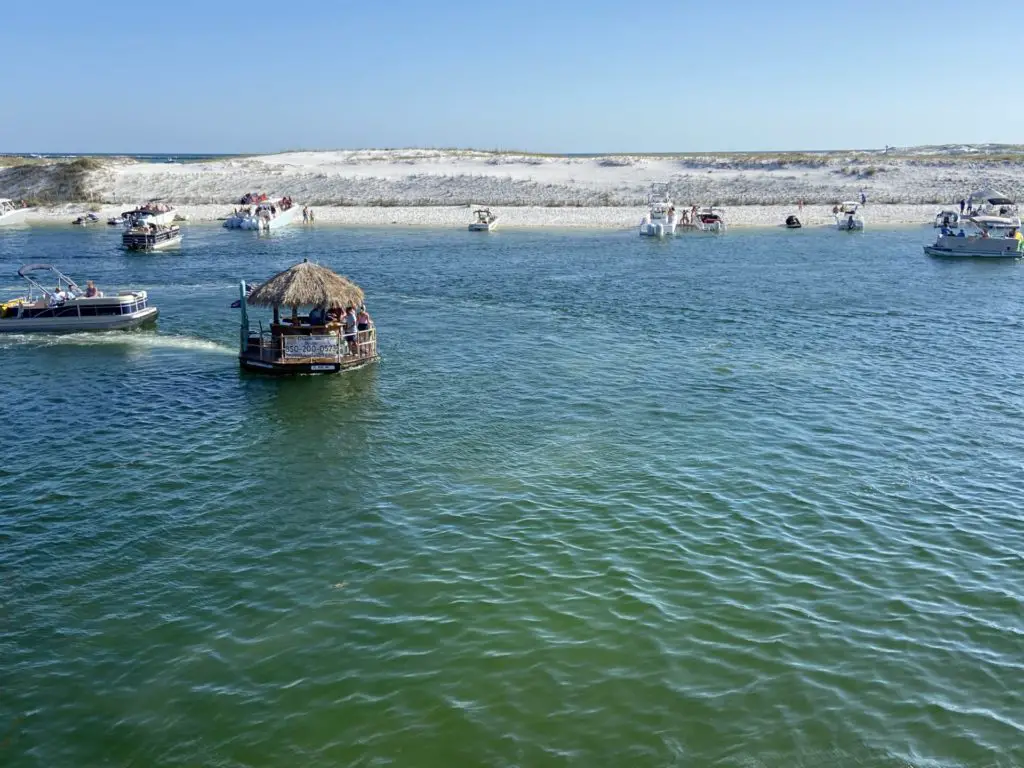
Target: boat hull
1002, 248
150, 244
482, 227
77, 324
282, 219
14, 218
312, 367
657, 228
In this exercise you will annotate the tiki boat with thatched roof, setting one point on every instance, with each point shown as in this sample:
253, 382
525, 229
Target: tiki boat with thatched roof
323, 334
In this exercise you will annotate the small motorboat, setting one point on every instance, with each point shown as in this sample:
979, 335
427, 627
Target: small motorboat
792, 222
848, 217
67, 308
710, 219
485, 221
86, 220
947, 217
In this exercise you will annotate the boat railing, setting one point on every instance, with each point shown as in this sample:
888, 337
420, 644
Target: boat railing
268, 346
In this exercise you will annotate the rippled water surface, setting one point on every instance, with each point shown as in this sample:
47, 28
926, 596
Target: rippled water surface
752, 500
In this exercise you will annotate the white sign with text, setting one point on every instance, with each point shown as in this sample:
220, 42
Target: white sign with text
310, 346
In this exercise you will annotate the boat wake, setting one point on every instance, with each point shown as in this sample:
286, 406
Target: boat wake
140, 341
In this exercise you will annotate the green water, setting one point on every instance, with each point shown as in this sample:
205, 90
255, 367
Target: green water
752, 500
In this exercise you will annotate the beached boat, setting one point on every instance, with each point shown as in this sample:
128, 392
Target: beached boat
660, 219
947, 217
994, 205
153, 212
848, 217
485, 221
318, 337
264, 215
151, 237
86, 220
710, 219
68, 308
982, 237
12, 212
792, 222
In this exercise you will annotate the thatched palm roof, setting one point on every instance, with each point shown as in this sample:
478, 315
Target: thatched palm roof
307, 284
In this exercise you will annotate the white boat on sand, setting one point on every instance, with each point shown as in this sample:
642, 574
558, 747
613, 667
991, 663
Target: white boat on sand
485, 221
710, 219
984, 237
994, 205
661, 218
263, 215
68, 308
947, 217
12, 212
848, 217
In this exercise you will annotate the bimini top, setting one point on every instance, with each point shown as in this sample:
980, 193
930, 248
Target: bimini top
991, 196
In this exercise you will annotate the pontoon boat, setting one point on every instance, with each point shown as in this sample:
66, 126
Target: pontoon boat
151, 237
987, 237
67, 308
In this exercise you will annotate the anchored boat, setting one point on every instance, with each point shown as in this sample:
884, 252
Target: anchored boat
991, 237
329, 330
485, 221
12, 212
263, 215
848, 217
660, 219
710, 219
68, 308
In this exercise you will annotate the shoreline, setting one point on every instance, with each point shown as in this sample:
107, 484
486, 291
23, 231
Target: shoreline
516, 217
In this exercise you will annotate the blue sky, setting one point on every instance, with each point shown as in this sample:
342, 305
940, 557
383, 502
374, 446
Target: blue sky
542, 76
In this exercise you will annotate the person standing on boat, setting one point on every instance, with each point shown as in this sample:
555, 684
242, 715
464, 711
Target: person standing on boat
348, 326
363, 325
962, 204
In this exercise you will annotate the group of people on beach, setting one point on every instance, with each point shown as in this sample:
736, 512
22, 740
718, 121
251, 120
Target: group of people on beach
307, 215
356, 324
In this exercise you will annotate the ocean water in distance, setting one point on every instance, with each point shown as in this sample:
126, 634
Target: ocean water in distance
751, 500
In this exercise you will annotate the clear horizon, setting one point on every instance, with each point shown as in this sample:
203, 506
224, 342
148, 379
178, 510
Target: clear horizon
571, 79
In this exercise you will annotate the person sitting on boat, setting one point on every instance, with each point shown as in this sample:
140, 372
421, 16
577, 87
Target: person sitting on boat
348, 325
90, 290
318, 316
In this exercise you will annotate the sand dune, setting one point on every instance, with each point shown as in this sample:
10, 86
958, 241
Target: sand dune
385, 186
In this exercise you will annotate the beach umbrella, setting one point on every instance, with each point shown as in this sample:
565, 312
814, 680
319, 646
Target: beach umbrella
307, 284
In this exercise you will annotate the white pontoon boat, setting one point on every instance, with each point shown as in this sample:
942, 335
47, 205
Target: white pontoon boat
67, 308
151, 237
983, 237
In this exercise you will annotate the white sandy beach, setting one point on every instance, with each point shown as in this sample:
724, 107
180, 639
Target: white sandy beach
420, 188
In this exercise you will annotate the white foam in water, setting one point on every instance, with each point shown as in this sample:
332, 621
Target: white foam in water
115, 338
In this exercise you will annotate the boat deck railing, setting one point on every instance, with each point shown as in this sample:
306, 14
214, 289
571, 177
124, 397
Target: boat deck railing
329, 344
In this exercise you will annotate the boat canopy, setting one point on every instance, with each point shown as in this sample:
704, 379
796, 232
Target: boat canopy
28, 272
991, 196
